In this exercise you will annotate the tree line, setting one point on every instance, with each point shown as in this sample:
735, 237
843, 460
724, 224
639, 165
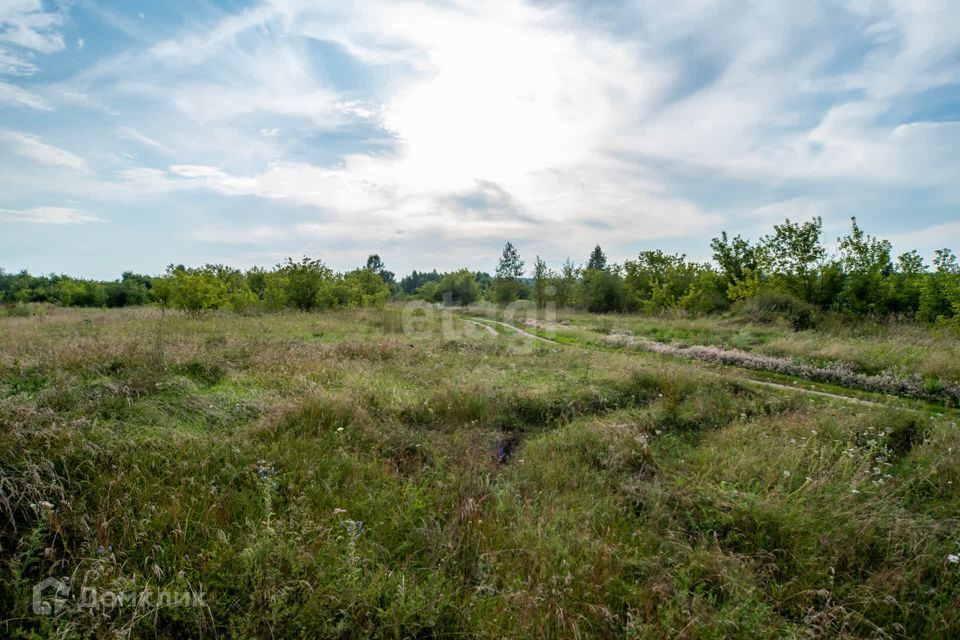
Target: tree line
305, 284
788, 272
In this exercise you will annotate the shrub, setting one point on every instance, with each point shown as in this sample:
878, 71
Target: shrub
774, 306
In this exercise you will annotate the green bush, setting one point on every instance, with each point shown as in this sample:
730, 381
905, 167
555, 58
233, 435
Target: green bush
775, 306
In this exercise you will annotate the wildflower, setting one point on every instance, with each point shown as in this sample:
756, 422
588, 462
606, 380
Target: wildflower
339, 429
265, 470
953, 558
338, 511
46, 505
786, 474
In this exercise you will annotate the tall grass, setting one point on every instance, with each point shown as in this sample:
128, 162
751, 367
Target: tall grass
324, 475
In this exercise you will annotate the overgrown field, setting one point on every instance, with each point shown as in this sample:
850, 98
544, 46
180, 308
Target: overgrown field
913, 354
332, 475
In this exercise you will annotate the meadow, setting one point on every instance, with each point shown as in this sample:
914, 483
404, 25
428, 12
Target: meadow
348, 474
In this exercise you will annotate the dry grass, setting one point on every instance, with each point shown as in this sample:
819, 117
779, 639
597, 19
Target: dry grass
503, 492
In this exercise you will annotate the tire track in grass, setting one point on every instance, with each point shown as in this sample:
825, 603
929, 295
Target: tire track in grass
513, 328
745, 372
486, 327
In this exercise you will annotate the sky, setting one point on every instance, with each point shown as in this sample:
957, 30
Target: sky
137, 134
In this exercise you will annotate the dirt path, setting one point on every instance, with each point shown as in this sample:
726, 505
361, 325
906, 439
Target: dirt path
485, 327
765, 383
518, 330
824, 394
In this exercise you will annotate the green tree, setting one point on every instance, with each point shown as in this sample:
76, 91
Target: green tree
362, 288
239, 295
196, 290
542, 276
737, 260
257, 282
793, 251
597, 260
659, 278
940, 296
906, 283
375, 264
508, 286
566, 283
456, 288
866, 264
604, 291
306, 282
409, 284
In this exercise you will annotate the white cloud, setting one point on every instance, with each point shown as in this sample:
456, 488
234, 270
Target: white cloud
15, 64
503, 94
255, 235
533, 121
929, 238
47, 215
12, 94
25, 23
138, 136
32, 148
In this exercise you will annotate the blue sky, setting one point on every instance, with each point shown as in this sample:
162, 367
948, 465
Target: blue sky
136, 134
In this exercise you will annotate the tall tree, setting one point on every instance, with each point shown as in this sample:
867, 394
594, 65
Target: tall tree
566, 283
510, 265
735, 257
305, 281
598, 259
375, 264
541, 278
793, 251
509, 271
866, 265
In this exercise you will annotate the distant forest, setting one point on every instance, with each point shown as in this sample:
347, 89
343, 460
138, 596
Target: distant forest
788, 273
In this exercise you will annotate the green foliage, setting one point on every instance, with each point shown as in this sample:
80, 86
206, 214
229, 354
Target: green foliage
542, 277
603, 291
658, 281
508, 286
409, 284
459, 287
510, 265
737, 259
367, 486
375, 264
362, 288
773, 306
566, 284
196, 290
307, 283
866, 262
706, 294
860, 279
940, 294
791, 255
598, 259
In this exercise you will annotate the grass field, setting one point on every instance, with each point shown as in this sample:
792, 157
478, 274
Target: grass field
333, 475
870, 346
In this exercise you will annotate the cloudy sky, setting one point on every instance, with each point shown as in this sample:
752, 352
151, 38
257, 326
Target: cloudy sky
134, 134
